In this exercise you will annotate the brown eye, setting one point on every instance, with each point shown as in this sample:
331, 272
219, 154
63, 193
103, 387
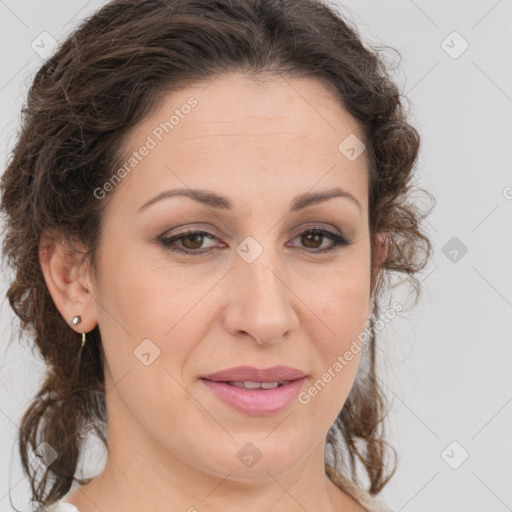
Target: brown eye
195, 239
312, 239
191, 241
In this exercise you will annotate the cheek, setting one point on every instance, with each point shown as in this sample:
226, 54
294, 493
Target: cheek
135, 296
341, 317
150, 323
346, 316
342, 301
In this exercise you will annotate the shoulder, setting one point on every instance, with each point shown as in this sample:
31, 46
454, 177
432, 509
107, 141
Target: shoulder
58, 506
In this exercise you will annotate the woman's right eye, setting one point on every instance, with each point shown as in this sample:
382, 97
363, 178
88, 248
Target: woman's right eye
194, 238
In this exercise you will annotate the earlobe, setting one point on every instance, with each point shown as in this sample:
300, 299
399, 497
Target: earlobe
68, 284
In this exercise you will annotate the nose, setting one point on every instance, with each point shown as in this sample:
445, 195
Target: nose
262, 304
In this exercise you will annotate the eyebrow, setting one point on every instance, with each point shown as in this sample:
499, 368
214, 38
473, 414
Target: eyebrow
214, 200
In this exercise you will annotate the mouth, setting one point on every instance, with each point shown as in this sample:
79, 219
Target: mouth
248, 384
255, 398
242, 374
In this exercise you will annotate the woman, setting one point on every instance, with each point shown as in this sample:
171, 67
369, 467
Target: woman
203, 208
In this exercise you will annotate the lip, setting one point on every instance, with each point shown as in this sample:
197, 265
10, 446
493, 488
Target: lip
242, 373
256, 402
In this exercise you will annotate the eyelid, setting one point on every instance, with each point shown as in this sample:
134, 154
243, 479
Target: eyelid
338, 241
177, 231
215, 232
318, 225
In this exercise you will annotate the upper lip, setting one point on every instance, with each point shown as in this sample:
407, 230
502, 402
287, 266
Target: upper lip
249, 373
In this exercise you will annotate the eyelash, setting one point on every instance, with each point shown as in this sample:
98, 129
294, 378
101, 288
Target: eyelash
338, 241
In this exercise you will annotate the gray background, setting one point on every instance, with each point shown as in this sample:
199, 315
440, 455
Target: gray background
446, 365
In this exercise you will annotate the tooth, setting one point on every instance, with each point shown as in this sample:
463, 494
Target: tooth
251, 385
269, 385
248, 384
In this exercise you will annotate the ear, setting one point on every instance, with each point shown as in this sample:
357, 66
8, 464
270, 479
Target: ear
68, 283
381, 249
381, 252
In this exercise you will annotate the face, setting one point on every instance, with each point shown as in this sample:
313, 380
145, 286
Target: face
259, 283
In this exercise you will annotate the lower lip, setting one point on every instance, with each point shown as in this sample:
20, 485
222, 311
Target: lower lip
256, 401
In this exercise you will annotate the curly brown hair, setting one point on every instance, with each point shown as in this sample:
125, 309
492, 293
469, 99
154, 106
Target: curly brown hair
108, 75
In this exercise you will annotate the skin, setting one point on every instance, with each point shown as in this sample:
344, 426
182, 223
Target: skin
173, 443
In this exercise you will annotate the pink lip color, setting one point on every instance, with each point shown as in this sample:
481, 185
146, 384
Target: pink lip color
240, 373
256, 401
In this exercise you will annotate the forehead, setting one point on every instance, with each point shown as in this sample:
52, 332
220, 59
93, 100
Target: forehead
257, 105
246, 134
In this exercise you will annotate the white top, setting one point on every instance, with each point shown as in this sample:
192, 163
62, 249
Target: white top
60, 506
364, 498
370, 504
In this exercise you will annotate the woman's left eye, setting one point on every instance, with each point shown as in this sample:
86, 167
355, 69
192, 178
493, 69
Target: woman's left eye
192, 241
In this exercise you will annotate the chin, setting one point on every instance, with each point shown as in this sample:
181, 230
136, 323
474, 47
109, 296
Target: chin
259, 459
